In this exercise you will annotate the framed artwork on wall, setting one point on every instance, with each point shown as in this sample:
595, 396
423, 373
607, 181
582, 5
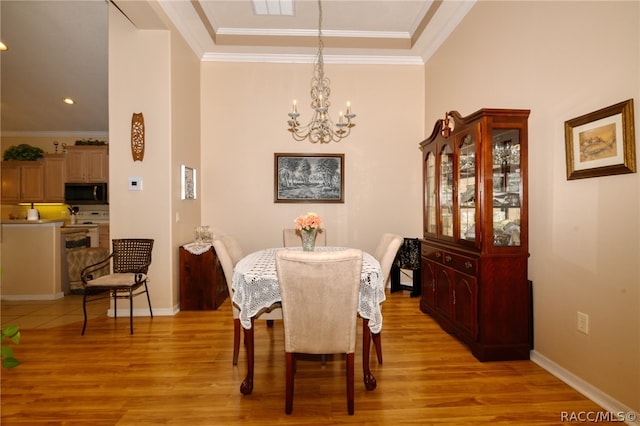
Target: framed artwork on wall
188, 181
308, 178
601, 143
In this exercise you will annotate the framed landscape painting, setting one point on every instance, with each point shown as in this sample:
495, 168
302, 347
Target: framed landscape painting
308, 178
601, 143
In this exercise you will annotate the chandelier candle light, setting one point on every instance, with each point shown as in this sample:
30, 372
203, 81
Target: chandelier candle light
321, 128
308, 226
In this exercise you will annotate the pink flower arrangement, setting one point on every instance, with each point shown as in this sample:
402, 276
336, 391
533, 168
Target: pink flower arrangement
308, 222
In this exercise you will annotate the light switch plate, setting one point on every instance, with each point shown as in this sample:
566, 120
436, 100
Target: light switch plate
135, 183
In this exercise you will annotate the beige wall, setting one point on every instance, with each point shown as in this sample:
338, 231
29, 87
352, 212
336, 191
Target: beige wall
562, 60
244, 122
185, 145
154, 72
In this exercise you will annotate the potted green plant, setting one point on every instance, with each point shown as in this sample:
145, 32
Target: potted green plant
23, 152
12, 333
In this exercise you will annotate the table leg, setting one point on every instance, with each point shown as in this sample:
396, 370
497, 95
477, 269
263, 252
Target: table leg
247, 385
369, 380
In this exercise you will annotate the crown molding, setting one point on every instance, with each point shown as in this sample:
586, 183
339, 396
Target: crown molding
56, 134
313, 33
309, 59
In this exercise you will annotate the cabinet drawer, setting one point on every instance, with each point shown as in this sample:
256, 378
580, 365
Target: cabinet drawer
467, 265
431, 253
464, 264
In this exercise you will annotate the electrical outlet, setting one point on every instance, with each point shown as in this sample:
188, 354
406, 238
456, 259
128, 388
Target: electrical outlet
583, 323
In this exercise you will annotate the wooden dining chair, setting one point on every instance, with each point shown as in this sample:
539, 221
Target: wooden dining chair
130, 260
319, 292
385, 253
292, 238
229, 253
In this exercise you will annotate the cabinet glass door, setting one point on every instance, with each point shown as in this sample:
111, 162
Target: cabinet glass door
446, 191
467, 188
430, 194
507, 187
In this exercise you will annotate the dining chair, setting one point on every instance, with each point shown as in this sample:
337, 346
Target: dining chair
292, 237
130, 259
229, 253
319, 292
385, 253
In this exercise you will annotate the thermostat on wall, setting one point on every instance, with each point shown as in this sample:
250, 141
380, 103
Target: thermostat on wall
135, 183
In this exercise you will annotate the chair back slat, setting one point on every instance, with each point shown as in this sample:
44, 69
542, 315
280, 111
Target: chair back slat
131, 255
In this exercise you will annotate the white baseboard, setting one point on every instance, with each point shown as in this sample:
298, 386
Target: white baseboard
55, 296
594, 394
144, 312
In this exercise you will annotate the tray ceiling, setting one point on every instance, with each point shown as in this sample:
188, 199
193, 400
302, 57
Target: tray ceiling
59, 48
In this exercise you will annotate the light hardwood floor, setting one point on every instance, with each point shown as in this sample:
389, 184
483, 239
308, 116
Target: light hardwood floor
178, 371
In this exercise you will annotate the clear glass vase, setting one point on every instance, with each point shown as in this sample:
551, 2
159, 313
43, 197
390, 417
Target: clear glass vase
309, 239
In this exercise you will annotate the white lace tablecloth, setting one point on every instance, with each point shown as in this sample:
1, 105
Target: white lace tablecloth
255, 285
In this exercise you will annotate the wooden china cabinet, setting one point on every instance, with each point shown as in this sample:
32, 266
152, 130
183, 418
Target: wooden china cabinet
475, 245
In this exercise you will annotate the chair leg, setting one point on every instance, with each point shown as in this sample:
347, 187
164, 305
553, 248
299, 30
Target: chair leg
84, 310
236, 340
115, 305
289, 360
131, 311
146, 290
377, 341
350, 380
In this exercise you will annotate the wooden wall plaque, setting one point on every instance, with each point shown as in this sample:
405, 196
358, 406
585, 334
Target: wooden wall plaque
137, 136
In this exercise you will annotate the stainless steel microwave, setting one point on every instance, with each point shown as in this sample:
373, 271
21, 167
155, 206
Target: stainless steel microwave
86, 193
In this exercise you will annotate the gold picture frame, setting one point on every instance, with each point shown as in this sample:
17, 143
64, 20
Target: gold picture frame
601, 143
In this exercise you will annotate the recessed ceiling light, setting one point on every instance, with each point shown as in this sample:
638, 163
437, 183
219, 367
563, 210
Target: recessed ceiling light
3, 46
68, 101
273, 7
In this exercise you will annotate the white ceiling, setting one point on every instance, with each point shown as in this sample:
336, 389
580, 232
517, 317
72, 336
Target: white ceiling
59, 48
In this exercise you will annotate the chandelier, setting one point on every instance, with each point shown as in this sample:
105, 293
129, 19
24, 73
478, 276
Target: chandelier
321, 128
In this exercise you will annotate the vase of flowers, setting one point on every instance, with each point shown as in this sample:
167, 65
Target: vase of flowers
308, 226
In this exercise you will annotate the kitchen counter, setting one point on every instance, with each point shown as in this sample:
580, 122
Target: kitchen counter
59, 222
31, 260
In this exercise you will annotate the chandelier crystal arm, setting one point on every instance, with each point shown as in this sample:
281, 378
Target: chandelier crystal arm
321, 128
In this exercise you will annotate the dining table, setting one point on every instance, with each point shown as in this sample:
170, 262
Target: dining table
255, 289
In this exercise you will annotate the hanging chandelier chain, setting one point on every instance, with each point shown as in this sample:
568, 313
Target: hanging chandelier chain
320, 21
321, 128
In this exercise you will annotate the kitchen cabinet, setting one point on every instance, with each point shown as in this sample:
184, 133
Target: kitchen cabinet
475, 221
54, 178
22, 181
202, 282
87, 164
